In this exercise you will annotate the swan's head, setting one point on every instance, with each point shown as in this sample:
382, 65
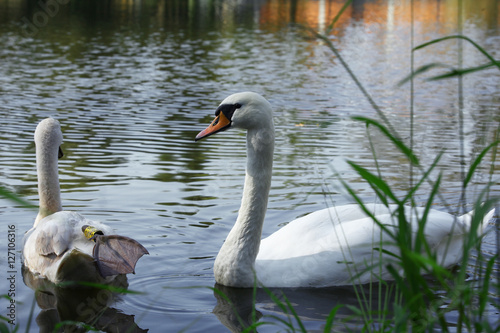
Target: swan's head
247, 110
48, 134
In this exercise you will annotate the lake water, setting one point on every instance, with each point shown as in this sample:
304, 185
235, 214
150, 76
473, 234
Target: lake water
133, 82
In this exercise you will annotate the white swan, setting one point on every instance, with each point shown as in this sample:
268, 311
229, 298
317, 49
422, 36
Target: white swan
325, 248
63, 245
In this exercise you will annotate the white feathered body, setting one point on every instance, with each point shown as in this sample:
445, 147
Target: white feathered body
57, 249
331, 246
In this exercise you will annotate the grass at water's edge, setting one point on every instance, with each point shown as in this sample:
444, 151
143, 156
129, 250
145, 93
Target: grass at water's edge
423, 303
426, 291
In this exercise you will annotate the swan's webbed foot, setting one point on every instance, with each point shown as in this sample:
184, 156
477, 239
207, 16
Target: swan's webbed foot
116, 254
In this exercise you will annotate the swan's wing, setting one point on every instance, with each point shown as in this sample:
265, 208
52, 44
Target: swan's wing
54, 234
117, 254
318, 251
331, 229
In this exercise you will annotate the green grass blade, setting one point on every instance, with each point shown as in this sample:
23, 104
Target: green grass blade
287, 309
276, 300
483, 51
460, 72
401, 319
389, 253
452, 71
421, 240
254, 315
430, 265
32, 311
425, 176
422, 70
358, 200
76, 324
295, 315
378, 184
397, 142
233, 307
221, 294
484, 293
253, 327
282, 321
476, 162
399, 280
4, 328
329, 320
336, 18
15, 198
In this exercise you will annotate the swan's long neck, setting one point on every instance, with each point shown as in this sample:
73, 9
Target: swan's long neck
48, 181
234, 265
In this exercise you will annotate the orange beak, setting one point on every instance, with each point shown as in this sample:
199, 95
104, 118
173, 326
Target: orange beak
220, 123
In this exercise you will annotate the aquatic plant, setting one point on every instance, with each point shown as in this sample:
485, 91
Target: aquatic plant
424, 290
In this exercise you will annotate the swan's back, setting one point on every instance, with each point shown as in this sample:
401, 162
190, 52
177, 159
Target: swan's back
330, 246
58, 250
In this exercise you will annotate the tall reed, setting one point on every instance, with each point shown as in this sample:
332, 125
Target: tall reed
417, 273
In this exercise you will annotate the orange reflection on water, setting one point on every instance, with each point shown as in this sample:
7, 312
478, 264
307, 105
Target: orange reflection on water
430, 14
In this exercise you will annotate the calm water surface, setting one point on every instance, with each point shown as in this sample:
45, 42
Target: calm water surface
133, 82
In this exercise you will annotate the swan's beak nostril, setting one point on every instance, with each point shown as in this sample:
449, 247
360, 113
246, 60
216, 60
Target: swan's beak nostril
220, 123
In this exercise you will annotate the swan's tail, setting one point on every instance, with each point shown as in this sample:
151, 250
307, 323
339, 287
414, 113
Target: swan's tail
483, 226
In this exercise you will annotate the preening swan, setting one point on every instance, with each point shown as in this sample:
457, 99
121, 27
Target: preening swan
325, 248
63, 245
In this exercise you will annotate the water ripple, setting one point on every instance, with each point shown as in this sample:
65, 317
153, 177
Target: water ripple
169, 290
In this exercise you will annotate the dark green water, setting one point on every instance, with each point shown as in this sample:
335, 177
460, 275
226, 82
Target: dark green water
133, 82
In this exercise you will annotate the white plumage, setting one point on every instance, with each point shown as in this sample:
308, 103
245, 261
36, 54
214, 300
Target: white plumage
56, 247
325, 248
58, 250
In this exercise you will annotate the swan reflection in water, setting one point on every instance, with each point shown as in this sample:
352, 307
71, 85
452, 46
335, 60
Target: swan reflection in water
237, 308
80, 304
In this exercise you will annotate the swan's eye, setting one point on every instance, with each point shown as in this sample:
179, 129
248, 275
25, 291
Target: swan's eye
227, 109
